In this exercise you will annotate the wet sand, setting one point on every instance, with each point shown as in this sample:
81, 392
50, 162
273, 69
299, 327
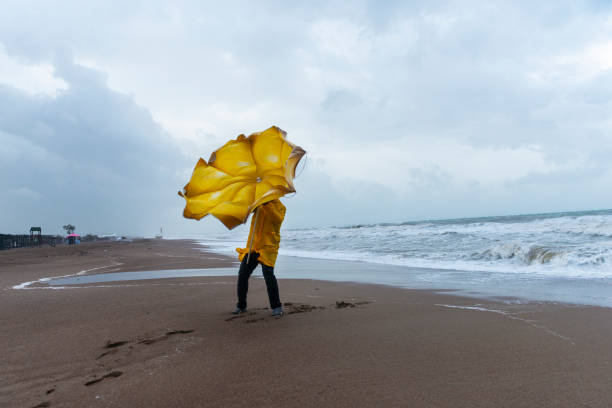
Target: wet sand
172, 342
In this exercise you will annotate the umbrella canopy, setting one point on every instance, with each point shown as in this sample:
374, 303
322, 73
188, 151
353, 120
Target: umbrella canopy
242, 175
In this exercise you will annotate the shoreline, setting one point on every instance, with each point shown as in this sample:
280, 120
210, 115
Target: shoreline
488, 285
341, 343
474, 284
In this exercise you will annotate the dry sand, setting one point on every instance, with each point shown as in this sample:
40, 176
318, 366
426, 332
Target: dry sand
172, 342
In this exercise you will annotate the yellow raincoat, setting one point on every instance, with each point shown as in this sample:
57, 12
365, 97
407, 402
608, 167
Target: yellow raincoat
266, 234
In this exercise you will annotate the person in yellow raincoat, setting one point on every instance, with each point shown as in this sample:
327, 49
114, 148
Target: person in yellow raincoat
265, 238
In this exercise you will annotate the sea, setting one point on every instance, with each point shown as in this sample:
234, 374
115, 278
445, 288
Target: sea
565, 257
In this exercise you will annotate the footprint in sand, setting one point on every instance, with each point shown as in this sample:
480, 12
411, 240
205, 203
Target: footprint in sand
113, 346
112, 374
164, 336
171, 332
290, 308
106, 353
340, 304
240, 316
293, 308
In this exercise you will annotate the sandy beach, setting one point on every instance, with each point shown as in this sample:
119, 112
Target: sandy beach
173, 343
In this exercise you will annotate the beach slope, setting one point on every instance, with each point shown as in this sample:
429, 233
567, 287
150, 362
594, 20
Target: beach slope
172, 342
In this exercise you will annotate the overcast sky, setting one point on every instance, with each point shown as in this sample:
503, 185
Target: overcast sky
408, 110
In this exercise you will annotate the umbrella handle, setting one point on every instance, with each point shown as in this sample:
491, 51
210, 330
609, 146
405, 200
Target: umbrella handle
252, 236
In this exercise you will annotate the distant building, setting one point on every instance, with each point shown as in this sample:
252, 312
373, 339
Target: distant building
73, 239
35, 236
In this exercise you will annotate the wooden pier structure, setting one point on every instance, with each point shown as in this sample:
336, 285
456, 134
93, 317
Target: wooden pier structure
34, 239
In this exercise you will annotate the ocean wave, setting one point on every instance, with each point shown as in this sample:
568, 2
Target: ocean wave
550, 269
526, 254
558, 245
543, 262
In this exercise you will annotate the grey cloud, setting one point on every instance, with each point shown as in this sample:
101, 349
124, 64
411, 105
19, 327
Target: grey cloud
321, 201
431, 177
91, 156
340, 100
459, 72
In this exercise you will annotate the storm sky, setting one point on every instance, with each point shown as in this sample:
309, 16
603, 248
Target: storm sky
408, 110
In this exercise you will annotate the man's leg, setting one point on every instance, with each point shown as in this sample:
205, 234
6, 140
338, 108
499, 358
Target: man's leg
244, 273
271, 285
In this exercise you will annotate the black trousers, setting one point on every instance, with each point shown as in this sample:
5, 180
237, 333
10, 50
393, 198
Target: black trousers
244, 273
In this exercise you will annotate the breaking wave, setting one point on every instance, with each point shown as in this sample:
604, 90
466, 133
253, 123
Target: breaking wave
577, 244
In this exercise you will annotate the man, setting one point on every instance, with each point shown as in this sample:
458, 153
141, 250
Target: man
265, 237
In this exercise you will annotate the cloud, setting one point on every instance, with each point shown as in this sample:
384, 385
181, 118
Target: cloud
37, 79
24, 193
434, 109
88, 156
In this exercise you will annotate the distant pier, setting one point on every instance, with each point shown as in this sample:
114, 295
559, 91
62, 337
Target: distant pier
8, 241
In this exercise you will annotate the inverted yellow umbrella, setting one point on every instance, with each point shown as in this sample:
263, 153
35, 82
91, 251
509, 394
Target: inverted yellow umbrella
242, 175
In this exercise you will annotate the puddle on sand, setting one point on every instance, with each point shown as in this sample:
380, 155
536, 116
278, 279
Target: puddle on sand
474, 284
133, 276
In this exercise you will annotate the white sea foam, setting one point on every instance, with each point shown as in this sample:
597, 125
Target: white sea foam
27, 285
475, 308
563, 245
